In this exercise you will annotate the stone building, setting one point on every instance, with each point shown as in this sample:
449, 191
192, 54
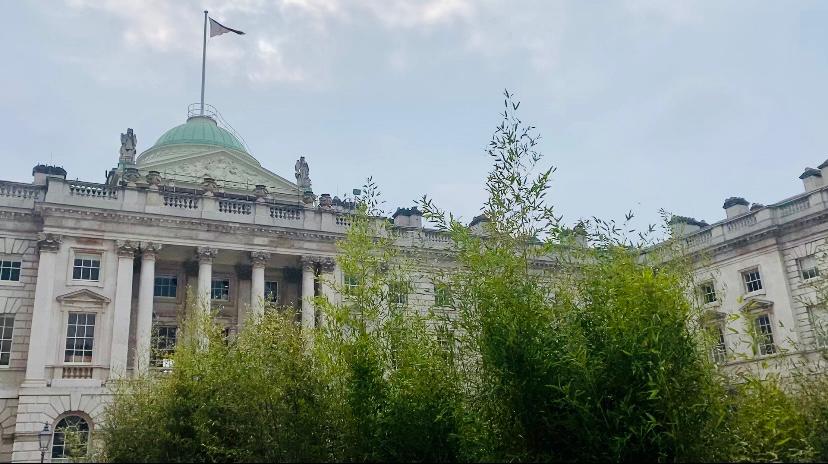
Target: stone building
92, 274
759, 277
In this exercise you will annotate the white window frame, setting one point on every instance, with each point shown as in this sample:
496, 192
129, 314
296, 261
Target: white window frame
819, 328
349, 287
162, 275
445, 290
811, 272
96, 337
75, 251
719, 351
758, 336
165, 363
3, 338
55, 431
276, 295
229, 288
704, 294
397, 297
12, 259
743, 275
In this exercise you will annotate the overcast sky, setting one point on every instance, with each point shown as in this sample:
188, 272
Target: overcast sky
641, 104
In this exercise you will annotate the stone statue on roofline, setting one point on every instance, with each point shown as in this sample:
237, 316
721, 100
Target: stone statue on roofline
303, 175
128, 143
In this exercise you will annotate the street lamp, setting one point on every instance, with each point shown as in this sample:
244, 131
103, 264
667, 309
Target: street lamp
44, 436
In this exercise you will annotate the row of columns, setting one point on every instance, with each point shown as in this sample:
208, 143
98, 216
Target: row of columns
49, 244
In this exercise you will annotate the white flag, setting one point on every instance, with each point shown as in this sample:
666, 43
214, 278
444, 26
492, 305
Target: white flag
217, 29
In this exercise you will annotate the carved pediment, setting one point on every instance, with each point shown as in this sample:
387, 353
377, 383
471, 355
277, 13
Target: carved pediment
222, 166
756, 304
83, 297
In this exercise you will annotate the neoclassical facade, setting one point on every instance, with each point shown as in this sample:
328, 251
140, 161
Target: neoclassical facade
92, 275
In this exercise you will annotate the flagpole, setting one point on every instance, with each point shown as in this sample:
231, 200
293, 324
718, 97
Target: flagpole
203, 61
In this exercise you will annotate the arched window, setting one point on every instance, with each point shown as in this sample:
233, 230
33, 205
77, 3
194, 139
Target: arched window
70, 432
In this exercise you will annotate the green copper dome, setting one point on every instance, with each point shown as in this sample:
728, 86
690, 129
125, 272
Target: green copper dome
200, 130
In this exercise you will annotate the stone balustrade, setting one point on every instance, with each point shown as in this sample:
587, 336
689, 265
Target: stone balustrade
190, 204
766, 217
20, 195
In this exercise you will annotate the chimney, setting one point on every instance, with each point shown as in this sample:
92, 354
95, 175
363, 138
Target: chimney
823, 169
682, 225
42, 172
408, 217
735, 206
812, 179
478, 224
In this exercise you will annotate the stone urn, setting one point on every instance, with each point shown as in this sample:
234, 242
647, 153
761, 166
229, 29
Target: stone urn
209, 185
325, 200
261, 192
154, 179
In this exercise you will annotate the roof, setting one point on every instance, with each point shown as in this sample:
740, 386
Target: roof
200, 130
809, 172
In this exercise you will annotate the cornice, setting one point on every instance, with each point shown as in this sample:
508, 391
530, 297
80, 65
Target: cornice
210, 225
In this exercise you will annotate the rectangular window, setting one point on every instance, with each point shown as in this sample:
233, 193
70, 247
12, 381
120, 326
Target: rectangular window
6, 331
719, 350
753, 281
220, 290
351, 284
166, 286
708, 292
398, 293
80, 336
10, 270
271, 291
819, 325
163, 345
86, 267
442, 296
808, 267
763, 330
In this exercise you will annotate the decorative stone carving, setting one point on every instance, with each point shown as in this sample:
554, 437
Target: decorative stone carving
209, 185
303, 175
131, 175
309, 262
259, 258
327, 264
325, 200
260, 192
308, 198
128, 143
126, 248
150, 249
48, 242
154, 179
206, 254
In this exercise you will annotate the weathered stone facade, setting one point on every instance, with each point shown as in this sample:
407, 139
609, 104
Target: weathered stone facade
101, 266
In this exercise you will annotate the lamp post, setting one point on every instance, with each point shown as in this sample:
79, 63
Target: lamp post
44, 436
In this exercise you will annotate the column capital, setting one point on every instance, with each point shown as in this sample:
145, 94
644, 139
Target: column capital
126, 248
259, 258
149, 250
206, 254
309, 262
327, 264
49, 242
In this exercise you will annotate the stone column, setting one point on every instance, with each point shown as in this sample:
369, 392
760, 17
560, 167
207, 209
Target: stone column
308, 275
122, 308
39, 347
205, 274
146, 294
259, 260
326, 282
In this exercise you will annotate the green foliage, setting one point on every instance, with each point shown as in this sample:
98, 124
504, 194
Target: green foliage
541, 349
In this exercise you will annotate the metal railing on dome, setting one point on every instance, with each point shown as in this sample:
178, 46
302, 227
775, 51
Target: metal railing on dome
195, 109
